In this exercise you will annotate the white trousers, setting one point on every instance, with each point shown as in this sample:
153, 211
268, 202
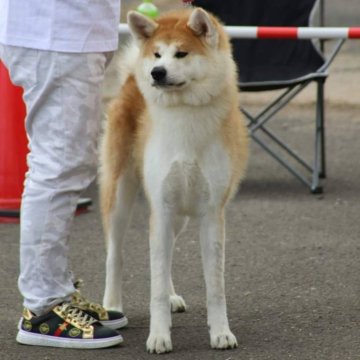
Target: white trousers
62, 93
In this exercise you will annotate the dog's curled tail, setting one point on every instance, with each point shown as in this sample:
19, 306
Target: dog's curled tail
127, 60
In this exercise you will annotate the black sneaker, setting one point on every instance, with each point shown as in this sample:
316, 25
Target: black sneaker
108, 318
65, 326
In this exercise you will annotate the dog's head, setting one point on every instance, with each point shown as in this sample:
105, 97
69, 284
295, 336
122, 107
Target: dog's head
185, 56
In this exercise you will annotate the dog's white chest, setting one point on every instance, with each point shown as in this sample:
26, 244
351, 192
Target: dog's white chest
186, 166
185, 188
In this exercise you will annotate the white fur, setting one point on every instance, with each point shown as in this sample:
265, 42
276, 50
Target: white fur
181, 180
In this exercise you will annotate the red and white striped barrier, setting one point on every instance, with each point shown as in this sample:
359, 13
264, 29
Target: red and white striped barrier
264, 32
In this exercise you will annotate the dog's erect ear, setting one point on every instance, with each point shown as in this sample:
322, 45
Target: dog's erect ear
201, 24
141, 27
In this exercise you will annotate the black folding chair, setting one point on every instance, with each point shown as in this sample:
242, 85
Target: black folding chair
275, 64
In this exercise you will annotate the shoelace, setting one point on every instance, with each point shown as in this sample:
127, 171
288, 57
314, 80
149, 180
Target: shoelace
84, 303
77, 315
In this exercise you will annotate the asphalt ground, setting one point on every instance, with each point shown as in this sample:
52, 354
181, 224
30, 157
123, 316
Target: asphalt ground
292, 258
292, 268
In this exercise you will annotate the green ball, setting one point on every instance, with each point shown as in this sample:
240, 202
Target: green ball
147, 8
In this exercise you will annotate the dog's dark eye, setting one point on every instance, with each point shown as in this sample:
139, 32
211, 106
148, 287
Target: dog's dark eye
157, 55
181, 54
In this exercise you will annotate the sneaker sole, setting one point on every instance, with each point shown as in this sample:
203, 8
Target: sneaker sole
28, 338
115, 324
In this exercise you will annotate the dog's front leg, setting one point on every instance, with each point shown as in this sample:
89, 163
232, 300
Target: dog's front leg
161, 246
212, 237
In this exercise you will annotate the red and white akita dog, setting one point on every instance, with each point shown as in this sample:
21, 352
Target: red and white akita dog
175, 129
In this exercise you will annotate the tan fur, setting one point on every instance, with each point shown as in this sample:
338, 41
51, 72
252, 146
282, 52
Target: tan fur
174, 25
235, 137
118, 144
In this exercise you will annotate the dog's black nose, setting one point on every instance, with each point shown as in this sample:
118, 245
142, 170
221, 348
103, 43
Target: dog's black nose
158, 73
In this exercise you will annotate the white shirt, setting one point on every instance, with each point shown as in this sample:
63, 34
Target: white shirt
60, 25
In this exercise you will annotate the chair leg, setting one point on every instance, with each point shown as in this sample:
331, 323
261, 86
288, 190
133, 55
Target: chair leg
315, 184
321, 115
319, 153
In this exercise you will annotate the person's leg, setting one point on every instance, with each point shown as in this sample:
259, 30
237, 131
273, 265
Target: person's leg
62, 93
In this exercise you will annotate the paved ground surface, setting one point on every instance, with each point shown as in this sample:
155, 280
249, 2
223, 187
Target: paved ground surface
292, 269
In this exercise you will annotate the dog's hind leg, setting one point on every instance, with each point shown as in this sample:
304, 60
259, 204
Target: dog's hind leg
116, 222
177, 302
212, 238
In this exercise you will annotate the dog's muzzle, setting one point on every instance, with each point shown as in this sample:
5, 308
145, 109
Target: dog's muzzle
161, 80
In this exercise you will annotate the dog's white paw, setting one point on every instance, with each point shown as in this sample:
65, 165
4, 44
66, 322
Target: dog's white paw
178, 304
159, 343
223, 340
